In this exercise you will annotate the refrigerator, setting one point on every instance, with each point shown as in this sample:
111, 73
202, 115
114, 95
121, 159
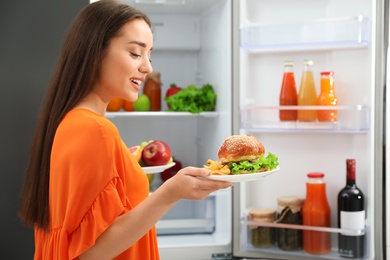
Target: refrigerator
239, 47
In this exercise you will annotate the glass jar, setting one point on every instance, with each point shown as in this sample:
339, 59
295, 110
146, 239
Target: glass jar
152, 88
289, 212
261, 236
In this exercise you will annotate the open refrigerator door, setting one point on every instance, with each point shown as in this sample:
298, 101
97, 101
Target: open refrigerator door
343, 36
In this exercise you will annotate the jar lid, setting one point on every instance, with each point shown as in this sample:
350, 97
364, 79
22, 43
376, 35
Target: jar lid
262, 215
290, 201
327, 73
316, 175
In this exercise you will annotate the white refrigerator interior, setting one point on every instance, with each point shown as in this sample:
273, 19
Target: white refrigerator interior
192, 45
342, 36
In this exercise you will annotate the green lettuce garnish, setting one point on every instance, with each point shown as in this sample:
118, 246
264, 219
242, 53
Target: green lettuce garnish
270, 162
193, 99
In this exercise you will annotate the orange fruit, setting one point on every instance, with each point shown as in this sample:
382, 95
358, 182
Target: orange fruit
136, 151
115, 104
128, 106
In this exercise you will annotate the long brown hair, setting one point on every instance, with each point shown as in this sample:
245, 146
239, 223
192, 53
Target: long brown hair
77, 69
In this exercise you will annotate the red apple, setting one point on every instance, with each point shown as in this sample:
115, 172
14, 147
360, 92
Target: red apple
168, 173
156, 153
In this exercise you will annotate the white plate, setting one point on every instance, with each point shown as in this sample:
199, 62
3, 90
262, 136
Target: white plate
243, 177
157, 169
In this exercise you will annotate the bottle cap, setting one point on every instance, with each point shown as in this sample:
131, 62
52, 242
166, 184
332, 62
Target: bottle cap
327, 73
315, 175
288, 63
351, 161
308, 62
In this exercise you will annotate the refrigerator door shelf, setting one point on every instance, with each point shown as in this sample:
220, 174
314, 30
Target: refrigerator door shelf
189, 217
321, 34
351, 119
163, 114
246, 244
185, 226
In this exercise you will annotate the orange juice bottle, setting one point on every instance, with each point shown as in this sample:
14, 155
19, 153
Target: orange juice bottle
307, 93
327, 97
316, 212
288, 93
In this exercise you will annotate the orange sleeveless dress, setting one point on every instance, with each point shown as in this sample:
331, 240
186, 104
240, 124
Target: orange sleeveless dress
93, 179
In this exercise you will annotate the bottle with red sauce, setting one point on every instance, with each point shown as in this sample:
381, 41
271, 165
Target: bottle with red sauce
288, 93
316, 212
152, 88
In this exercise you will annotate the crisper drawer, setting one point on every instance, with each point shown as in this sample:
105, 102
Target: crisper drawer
253, 239
189, 217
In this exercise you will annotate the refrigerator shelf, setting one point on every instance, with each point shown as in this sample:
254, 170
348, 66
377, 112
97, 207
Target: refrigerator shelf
159, 114
246, 243
351, 119
320, 34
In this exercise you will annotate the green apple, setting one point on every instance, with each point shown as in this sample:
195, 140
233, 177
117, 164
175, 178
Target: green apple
142, 103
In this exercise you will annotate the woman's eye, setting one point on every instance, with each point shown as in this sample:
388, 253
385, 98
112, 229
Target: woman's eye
135, 54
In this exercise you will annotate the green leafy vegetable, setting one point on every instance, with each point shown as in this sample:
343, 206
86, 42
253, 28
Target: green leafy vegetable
270, 162
192, 99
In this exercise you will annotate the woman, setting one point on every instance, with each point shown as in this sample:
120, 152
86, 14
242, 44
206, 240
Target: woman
84, 193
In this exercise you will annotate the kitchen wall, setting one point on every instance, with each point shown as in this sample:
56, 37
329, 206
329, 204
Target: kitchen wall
31, 34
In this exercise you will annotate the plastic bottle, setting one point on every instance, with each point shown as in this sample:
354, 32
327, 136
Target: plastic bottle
351, 216
316, 212
307, 93
327, 97
288, 93
152, 88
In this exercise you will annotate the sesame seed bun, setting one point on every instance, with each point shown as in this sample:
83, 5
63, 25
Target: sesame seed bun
239, 148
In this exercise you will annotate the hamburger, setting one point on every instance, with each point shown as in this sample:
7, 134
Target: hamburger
242, 154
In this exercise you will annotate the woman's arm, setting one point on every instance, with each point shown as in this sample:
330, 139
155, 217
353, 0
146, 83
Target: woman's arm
130, 227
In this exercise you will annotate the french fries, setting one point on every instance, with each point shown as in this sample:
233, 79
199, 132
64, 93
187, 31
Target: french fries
217, 168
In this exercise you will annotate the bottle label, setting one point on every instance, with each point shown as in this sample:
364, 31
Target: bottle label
353, 220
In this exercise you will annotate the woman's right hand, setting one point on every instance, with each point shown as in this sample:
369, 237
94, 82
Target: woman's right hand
192, 183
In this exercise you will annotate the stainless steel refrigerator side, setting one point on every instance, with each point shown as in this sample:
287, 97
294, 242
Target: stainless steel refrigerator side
236, 118
386, 156
379, 66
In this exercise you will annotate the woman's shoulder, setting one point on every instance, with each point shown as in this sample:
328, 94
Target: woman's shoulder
81, 117
88, 124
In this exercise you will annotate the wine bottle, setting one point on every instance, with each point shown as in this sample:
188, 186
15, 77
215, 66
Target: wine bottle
351, 216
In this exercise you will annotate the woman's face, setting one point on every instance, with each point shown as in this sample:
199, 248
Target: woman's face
126, 62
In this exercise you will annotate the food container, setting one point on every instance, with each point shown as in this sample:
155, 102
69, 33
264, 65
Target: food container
289, 212
262, 236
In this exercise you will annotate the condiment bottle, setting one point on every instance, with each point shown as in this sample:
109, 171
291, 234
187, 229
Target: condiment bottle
289, 212
307, 93
327, 97
316, 212
152, 88
262, 236
288, 93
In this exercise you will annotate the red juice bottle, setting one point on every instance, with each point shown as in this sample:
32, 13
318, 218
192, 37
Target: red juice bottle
288, 93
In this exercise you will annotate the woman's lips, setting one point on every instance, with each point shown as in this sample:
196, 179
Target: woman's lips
136, 84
